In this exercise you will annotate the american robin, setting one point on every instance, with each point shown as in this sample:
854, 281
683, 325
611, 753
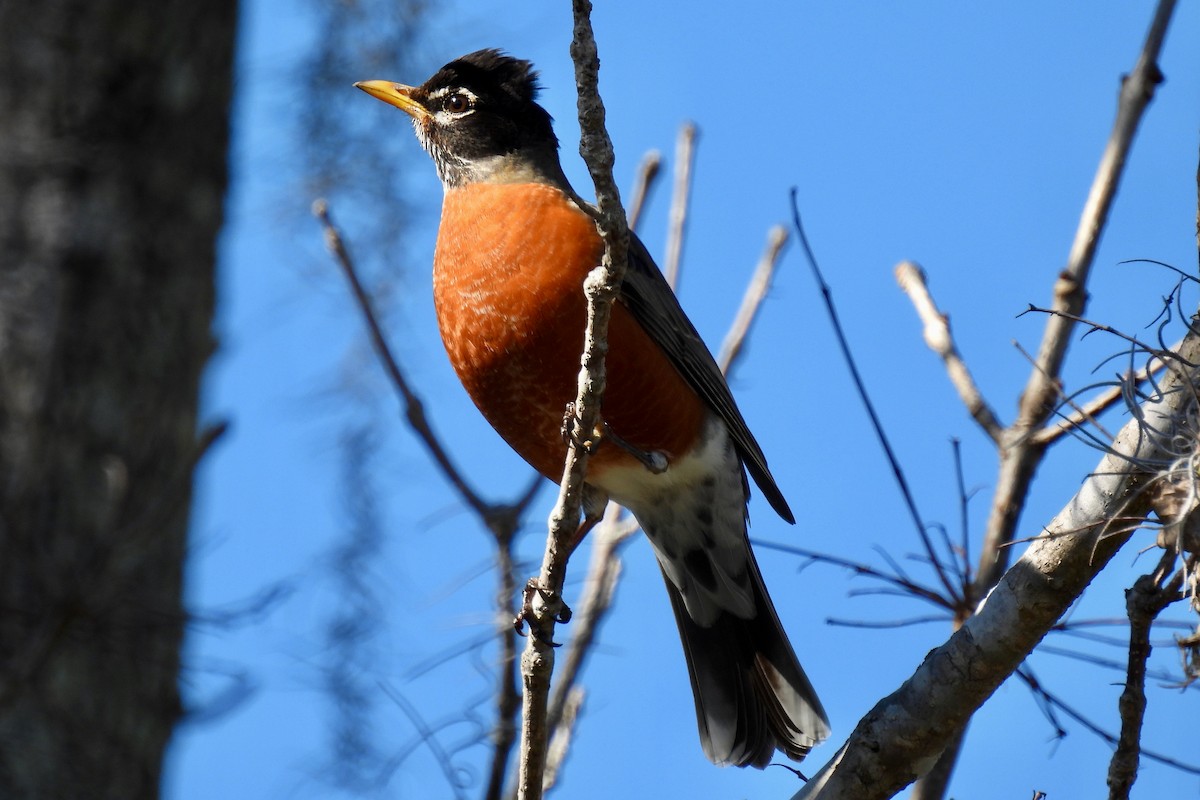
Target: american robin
513, 248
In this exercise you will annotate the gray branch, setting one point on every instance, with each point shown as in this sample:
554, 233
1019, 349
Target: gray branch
905, 733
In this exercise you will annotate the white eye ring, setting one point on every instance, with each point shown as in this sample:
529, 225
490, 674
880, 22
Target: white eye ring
451, 102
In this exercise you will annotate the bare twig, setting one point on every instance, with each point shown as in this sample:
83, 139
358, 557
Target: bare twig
508, 696
1100, 403
1150, 595
1094, 326
911, 278
427, 736
647, 175
604, 571
964, 522
601, 287
560, 737
910, 501
1050, 701
685, 153
414, 409
756, 292
615, 529
907, 586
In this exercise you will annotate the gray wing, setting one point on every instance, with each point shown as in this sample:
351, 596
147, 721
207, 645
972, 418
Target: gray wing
649, 297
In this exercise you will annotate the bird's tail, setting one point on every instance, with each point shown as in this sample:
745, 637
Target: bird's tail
752, 696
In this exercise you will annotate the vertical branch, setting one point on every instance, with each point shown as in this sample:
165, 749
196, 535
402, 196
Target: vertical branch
601, 287
508, 699
603, 573
1070, 296
1144, 602
647, 174
685, 156
756, 292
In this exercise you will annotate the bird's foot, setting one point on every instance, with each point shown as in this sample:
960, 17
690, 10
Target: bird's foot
593, 503
653, 460
572, 433
551, 603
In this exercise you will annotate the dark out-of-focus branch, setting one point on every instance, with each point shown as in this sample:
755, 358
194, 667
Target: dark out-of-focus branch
1150, 595
502, 520
414, 409
943, 575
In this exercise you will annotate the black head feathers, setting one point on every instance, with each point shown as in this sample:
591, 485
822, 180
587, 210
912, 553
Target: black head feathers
484, 105
479, 119
491, 72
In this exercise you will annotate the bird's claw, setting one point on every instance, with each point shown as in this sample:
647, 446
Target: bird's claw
560, 612
573, 434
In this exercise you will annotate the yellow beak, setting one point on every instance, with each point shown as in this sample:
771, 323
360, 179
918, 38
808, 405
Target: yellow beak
394, 94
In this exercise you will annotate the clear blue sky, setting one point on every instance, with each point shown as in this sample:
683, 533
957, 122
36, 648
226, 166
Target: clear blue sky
963, 136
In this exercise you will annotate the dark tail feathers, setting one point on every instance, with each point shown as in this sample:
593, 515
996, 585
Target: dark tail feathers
752, 696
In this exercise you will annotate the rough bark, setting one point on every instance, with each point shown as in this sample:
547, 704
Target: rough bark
113, 140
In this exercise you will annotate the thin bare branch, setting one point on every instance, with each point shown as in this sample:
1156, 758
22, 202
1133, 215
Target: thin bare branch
937, 334
1100, 403
1098, 661
508, 696
647, 175
615, 529
601, 287
1095, 326
906, 622
1020, 450
1051, 701
560, 737
964, 522
906, 586
427, 736
1150, 595
414, 409
685, 154
756, 292
502, 520
1020, 453
910, 501
604, 571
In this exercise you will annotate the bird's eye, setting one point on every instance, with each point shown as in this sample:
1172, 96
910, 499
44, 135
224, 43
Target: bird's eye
457, 103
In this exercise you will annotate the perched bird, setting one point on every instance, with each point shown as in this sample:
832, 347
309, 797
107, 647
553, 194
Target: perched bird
514, 246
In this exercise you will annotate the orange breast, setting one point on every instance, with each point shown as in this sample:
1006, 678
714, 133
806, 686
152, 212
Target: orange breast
509, 295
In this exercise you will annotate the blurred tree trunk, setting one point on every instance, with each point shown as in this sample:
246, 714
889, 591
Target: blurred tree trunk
113, 139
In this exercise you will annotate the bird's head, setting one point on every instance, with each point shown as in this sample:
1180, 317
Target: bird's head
478, 119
